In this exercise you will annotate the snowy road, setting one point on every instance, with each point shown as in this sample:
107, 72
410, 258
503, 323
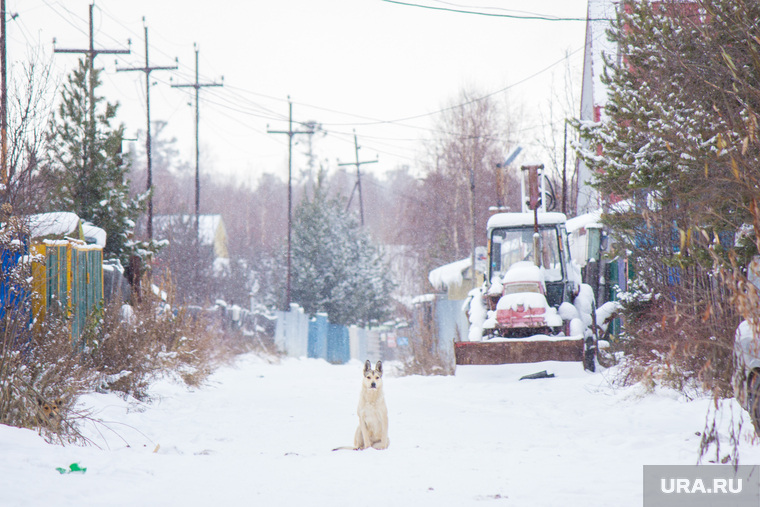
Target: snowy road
262, 434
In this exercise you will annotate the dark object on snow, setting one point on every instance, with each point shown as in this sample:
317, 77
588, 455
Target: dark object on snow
540, 374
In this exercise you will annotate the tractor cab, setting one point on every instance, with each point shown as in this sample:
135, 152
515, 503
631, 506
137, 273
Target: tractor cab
530, 253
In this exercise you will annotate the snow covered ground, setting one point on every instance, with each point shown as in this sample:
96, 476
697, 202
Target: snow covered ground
262, 434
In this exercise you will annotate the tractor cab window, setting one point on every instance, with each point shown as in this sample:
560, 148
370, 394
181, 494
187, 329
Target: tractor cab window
511, 245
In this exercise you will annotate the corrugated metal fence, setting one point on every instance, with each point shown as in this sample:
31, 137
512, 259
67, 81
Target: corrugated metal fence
297, 335
452, 324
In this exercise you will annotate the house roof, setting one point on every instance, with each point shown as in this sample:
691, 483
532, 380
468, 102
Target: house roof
207, 224
64, 223
450, 274
211, 230
524, 219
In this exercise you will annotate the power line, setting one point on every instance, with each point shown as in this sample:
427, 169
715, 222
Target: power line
487, 8
532, 17
147, 69
67, 20
397, 121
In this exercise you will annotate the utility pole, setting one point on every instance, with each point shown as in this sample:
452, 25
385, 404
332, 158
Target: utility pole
148, 146
197, 86
564, 173
290, 133
91, 53
474, 228
500, 168
5, 175
358, 184
309, 175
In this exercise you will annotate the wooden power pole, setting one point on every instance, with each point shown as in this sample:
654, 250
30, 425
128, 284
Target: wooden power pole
290, 133
91, 52
358, 184
148, 145
5, 173
197, 86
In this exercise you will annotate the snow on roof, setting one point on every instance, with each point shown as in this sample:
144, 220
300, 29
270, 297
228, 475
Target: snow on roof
524, 219
425, 298
94, 234
60, 223
587, 220
64, 223
207, 224
450, 274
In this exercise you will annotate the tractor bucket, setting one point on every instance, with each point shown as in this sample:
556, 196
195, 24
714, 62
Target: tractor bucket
518, 350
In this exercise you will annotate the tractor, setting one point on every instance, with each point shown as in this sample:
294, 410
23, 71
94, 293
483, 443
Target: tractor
533, 305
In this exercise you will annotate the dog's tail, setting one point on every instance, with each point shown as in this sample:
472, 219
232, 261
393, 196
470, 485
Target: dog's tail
345, 448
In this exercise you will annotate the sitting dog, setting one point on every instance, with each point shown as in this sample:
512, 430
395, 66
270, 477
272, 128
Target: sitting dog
373, 414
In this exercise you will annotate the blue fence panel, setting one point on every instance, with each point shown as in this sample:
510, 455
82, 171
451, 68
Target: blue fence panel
338, 347
318, 337
11, 295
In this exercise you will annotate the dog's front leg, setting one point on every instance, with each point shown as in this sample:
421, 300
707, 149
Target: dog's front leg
365, 436
359, 437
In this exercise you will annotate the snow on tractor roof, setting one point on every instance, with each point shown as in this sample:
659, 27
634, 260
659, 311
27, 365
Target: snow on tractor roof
524, 219
523, 271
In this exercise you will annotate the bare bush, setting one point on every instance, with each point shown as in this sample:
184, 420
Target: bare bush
679, 335
130, 346
43, 370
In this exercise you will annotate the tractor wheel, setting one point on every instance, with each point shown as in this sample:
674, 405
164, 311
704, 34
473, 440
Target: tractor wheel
589, 354
590, 350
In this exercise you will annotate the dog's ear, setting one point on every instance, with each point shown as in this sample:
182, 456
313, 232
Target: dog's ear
379, 367
367, 367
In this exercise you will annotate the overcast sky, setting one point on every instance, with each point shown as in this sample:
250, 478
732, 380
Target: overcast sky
379, 67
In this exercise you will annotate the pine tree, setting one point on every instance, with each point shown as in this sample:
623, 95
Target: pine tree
85, 169
666, 149
336, 267
658, 146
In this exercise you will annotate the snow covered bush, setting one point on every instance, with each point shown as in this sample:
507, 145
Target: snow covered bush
39, 375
